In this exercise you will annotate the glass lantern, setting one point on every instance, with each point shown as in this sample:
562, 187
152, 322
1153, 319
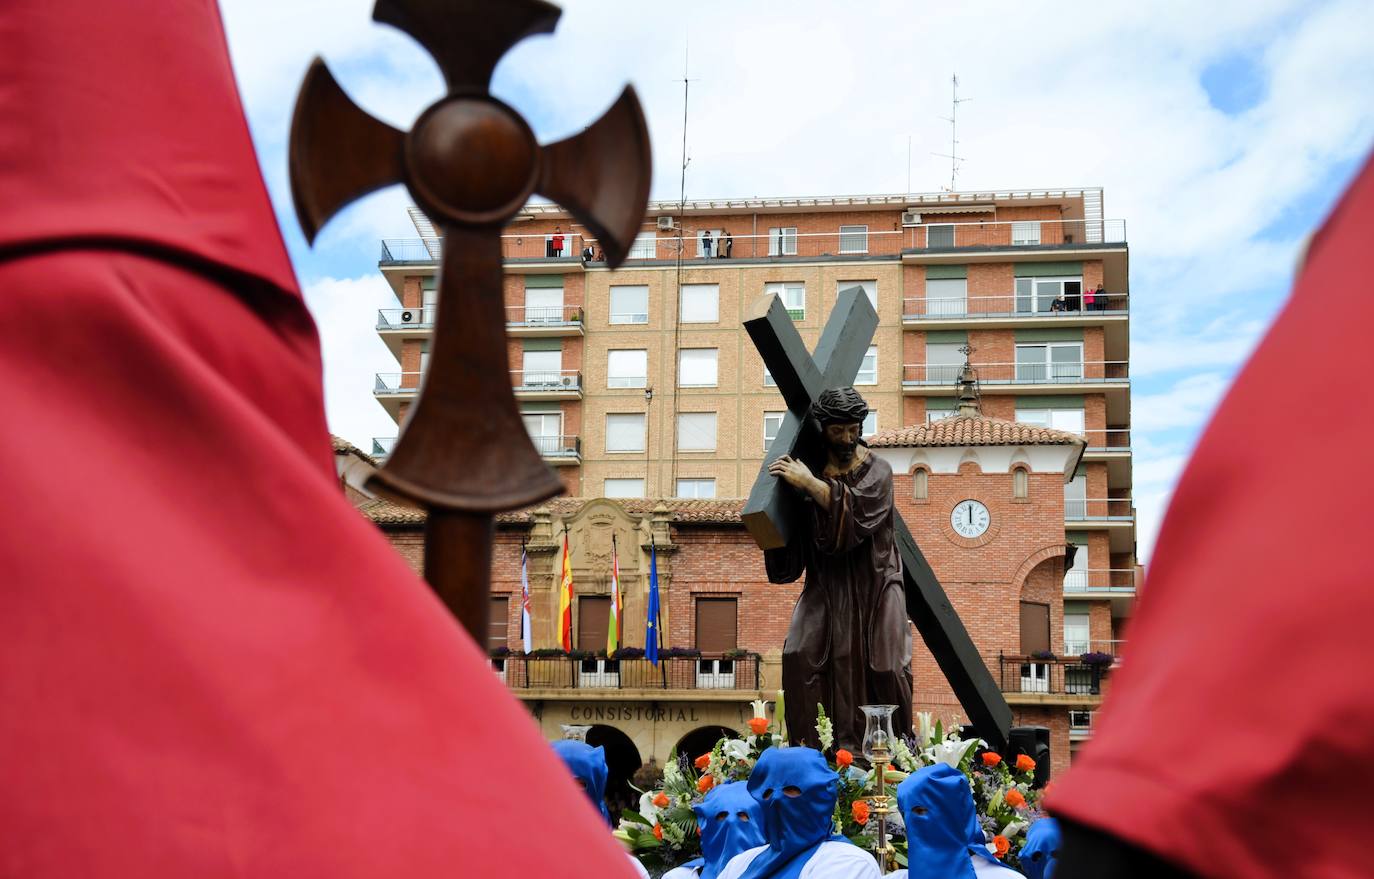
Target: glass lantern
878, 736
575, 732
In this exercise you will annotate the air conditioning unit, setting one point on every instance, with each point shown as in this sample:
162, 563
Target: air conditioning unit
569, 381
911, 218
407, 317
665, 224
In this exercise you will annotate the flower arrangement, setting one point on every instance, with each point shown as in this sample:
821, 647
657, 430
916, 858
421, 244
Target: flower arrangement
662, 833
1096, 658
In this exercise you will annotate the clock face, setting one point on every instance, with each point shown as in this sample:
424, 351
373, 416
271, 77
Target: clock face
970, 519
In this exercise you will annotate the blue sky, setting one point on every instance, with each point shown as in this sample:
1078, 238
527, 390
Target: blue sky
1220, 132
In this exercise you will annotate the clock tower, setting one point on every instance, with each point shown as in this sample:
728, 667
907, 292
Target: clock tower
985, 499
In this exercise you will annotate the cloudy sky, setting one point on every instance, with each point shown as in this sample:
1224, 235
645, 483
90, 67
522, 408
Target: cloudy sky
1221, 133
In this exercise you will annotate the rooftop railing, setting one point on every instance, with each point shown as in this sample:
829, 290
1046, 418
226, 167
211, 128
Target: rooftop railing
704, 672
935, 236
1021, 373
1113, 580
393, 383
934, 307
1099, 509
553, 246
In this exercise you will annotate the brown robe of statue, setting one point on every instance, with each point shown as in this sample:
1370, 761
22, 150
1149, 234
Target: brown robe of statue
849, 643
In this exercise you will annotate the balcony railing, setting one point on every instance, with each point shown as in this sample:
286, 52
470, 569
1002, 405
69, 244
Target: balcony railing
1099, 509
558, 446
517, 247
936, 236
713, 672
543, 315
1074, 649
1012, 305
406, 318
547, 380
1114, 580
1032, 373
1108, 439
1054, 677
393, 383
382, 446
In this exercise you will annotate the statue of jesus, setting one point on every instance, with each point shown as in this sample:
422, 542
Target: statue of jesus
849, 643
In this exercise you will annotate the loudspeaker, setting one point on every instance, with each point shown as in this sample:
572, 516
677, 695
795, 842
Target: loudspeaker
1033, 741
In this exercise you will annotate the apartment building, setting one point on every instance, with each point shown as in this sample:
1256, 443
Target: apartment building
640, 385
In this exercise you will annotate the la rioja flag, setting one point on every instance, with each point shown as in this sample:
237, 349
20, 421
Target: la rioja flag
617, 603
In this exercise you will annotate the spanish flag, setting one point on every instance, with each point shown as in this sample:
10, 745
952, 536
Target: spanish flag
565, 596
617, 603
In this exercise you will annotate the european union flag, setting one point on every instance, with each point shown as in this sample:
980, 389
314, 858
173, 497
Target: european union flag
651, 614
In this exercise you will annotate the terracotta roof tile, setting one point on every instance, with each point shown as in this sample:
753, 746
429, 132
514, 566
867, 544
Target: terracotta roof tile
344, 447
972, 430
716, 511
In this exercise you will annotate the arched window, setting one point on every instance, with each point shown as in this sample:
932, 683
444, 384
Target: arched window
1020, 483
920, 484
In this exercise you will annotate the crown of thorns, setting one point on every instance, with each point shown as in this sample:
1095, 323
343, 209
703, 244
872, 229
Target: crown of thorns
839, 406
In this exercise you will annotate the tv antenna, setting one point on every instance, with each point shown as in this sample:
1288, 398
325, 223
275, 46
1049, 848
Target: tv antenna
953, 120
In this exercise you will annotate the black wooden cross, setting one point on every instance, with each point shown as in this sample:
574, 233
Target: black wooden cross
771, 511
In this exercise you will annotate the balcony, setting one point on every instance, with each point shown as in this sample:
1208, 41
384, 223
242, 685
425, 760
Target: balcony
382, 446
1066, 680
1107, 377
392, 389
532, 254
1115, 585
1057, 235
544, 320
560, 451
573, 677
395, 325
560, 384
1113, 515
1010, 309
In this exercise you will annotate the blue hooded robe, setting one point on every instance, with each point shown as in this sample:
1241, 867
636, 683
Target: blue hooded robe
1041, 850
942, 826
588, 766
730, 821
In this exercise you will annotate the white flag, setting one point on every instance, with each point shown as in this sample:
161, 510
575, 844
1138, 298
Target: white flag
525, 634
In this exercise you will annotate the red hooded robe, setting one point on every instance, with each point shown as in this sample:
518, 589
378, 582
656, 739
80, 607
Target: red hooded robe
1237, 739
210, 664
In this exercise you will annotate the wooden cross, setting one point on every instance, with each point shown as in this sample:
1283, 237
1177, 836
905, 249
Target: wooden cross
471, 163
771, 512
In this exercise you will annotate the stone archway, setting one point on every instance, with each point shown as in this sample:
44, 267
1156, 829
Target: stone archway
622, 762
703, 739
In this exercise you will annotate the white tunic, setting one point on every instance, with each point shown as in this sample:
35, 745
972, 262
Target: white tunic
639, 868
833, 860
982, 868
683, 873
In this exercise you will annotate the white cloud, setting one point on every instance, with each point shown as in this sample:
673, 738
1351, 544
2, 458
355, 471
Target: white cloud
1185, 405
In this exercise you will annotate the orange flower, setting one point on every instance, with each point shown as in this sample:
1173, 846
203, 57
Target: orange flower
1002, 844
991, 758
703, 761
658, 832
1015, 799
705, 783
758, 725
660, 799
842, 759
860, 810
1025, 763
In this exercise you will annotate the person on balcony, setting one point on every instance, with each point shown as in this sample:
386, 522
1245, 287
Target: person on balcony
1090, 299
706, 244
942, 829
1100, 298
797, 791
1059, 303
725, 246
556, 242
730, 821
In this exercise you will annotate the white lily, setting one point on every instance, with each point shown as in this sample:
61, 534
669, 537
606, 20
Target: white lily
1014, 827
735, 750
925, 729
950, 752
648, 809
760, 708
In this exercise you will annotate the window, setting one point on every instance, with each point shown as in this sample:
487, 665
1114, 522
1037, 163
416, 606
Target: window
1049, 362
696, 367
870, 290
544, 305
696, 431
1034, 295
941, 235
1025, 232
937, 410
625, 432
944, 361
629, 304
1076, 577
1020, 483
717, 631
920, 484
946, 297
628, 368
868, 370
700, 303
541, 369
712, 249
623, 488
1070, 420
772, 423
1075, 498
768, 379
496, 633
429, 299
545, 429
853, 239
593, 621
782, 241
424, 356
870, 425
1080, 720
645, 246
793, 295
697, 488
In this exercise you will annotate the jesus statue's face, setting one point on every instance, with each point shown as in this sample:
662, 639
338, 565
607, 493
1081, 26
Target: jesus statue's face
842, 441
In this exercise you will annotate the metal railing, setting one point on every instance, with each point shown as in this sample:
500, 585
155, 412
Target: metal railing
1058, 676
519, 247
558, 446
542, 315
1023, 373
1013, 305
392, 383
707, 672
1108, 438
382, 446
1114, 580
406, 318
546, 380
936, 236
1099, 509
